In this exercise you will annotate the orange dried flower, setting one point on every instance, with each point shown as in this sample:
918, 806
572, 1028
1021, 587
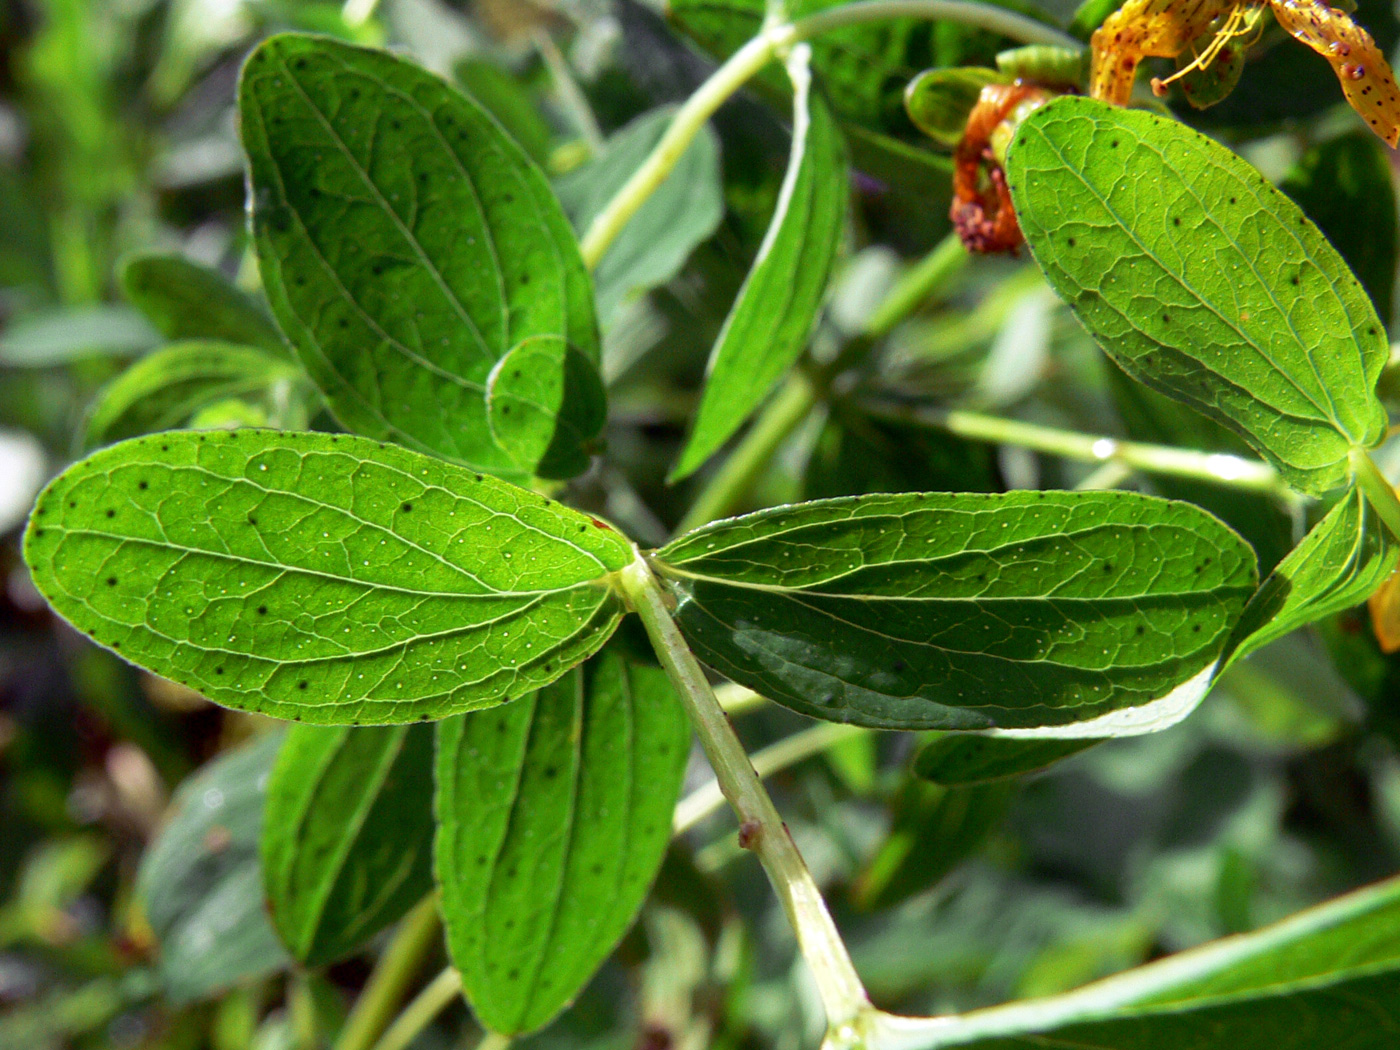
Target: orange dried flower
982, 212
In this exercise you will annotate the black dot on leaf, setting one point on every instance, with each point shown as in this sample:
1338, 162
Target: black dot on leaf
262, 610
407, 507
1108, 566
1196, 628
1176, 221
111, 514
1141, 629
111, 581
301, 685
218, 670
143, 485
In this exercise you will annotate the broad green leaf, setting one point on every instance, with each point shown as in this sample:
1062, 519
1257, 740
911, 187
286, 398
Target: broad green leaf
347, 835
933, 830
546, 404
1329, 976
200, 882
187, 301
554, 813
69, 335
506, 99
166, 388
1036, 613
1346, 556
323, 578
967, 758
1345, 186
778, 305
680, 215
1213, 288
406, 242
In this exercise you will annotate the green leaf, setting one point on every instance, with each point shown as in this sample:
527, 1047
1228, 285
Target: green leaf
778, 305
187, 301
939, 101
323, 578
347, 836
406, 242
1063, 614
200, 881
546, 404
506, 99
1329, 976
1345, 186
554, 813
166, 388
70, 335
679, 216
933, 830
966, 758
1346, 556
1185, 287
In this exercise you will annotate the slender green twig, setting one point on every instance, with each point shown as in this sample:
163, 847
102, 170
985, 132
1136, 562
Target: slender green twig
357, 12
789, 751
1379, 491
572, 97
417, 1015
757, 53
782, 415
302, 1009
1217, 468
417, 933
925, 280
761, 828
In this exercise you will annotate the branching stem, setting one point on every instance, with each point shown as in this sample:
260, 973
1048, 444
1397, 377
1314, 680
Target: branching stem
417, 1015
745, 63
763, 830
392, 975
1379, 491
1217, 468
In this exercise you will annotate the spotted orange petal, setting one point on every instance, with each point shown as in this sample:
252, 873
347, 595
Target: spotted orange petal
1145, 29
1367, 81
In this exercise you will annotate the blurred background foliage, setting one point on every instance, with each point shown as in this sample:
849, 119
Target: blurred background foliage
118, 136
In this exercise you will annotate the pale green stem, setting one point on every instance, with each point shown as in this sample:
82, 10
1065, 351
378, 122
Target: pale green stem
1106, 476
417, 1015
930, 276
493, 1041
761, 828
1217, 468
357, 12
575, 104
736, 475
736, 700
787, 752
302, 1008
418, 931
757, 53
1379, 491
